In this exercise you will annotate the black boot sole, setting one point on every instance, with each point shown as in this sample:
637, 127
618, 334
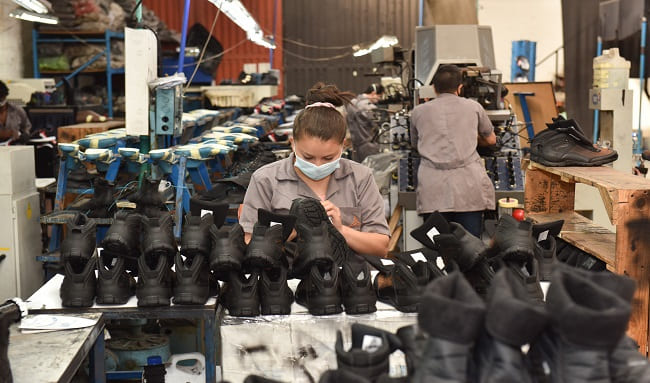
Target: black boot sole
602, 161
315, 214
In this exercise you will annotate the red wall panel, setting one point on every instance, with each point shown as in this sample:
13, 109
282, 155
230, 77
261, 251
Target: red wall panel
228, 33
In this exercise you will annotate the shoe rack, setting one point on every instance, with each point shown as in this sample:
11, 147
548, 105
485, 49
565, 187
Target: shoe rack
550, 195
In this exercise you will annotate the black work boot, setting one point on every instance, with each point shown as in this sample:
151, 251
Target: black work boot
195, 239
545, 256
240, 294
268, 218
448, 352
218, 210
114, 285
436, 224
396, 284
564, 144
155, 279
314, 247
192, 285
80, 239
513, 240
310, 212
265, 247
228, 249
358, 294
320, 291
79, 282
100, 205
512, 320
275, 295
148, 199
368, 355
528, 274
123, 239
158, 237
413, 344
587, 323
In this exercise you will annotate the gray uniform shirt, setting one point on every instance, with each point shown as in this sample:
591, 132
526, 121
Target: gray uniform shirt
351, 188
17, 122
451, 176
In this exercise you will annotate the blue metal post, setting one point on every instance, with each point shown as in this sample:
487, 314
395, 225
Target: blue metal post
181, 54
639, 142
524, 108
599, 51
180, 188
37, 73
109, 74
275, 15
421, 13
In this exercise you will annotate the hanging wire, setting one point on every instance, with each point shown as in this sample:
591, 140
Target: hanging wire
316, 59
205, 46
214, 57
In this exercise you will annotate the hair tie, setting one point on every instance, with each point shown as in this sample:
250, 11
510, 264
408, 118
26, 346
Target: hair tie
325, 104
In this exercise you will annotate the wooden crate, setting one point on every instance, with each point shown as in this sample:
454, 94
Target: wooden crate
74, 132
550, 194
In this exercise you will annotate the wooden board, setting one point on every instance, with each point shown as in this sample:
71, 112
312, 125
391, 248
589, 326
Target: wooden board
584, 234
596, 176
70, 133
394, 239
546, 193
394, 218
542, 106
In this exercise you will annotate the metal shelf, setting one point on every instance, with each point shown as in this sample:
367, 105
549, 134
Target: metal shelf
63, 37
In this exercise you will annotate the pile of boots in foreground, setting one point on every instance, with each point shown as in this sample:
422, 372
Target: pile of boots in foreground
578, 335
484, 318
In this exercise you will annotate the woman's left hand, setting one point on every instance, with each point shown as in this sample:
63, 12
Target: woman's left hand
334, 213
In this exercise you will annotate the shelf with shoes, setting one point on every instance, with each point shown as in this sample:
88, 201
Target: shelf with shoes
44, 36
550, 195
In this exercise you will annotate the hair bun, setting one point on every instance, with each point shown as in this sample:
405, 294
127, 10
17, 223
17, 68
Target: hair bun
322, 92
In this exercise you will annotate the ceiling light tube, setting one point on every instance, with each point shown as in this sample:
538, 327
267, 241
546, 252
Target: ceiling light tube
33, 17
239, 15
382, 42
35, 6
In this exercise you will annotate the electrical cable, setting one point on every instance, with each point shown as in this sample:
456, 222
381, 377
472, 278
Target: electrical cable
317, 59
205, 46
134, 9
332, 47
214, 57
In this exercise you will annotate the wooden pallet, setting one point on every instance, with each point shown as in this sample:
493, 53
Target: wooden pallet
550, 194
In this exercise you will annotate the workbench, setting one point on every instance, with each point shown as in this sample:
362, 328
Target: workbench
47, 301
56, 356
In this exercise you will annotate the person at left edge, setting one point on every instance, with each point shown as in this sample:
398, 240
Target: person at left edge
14, 124
315, 169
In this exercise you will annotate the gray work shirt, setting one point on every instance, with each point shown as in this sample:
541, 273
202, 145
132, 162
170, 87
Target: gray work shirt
16, 122
351, 188
451, 176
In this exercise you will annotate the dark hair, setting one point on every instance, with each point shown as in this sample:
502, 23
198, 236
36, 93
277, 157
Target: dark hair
447, 79
377, 88
4, 91
322, 122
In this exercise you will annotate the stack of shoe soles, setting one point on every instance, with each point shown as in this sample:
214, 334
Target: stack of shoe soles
144, 247
227, 190
577, 335
101, 204
565, 144
526, 249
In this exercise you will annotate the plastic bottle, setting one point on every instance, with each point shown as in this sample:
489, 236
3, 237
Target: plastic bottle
611, 70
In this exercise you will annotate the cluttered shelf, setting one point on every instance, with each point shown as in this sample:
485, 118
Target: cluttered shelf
584, 234
51, 31
66, 72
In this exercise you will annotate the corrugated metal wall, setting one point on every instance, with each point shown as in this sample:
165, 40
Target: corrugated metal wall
228, 33
339, 23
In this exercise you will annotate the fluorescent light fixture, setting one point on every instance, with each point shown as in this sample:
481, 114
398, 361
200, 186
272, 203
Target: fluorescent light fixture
36, 6
34, 17
383, 42
236, 12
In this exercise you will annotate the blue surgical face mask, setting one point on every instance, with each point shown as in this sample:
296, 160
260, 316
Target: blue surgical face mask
315, 172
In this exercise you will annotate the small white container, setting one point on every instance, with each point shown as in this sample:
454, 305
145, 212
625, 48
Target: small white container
194, 373
611, 70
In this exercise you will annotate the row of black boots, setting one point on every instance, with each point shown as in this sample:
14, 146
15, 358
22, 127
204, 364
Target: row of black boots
577, 336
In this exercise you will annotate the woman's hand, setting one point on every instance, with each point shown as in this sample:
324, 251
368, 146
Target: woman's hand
334, 213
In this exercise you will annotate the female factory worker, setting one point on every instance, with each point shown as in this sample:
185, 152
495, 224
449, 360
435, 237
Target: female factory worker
315, 169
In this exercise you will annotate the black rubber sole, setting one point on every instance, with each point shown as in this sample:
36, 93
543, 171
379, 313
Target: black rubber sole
359, 304
108, 299
224, 264
405, 305
151, 296
322, 305
311, 212
603, 161
77, 302
190, 294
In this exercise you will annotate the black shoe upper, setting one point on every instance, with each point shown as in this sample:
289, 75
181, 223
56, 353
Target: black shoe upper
320, 290
368, 355
80, 239
114, 284
195, 238
228, 248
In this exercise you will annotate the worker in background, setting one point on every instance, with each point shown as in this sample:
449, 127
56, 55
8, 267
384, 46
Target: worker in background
346, 189
451, 177
361, 123
14, 124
